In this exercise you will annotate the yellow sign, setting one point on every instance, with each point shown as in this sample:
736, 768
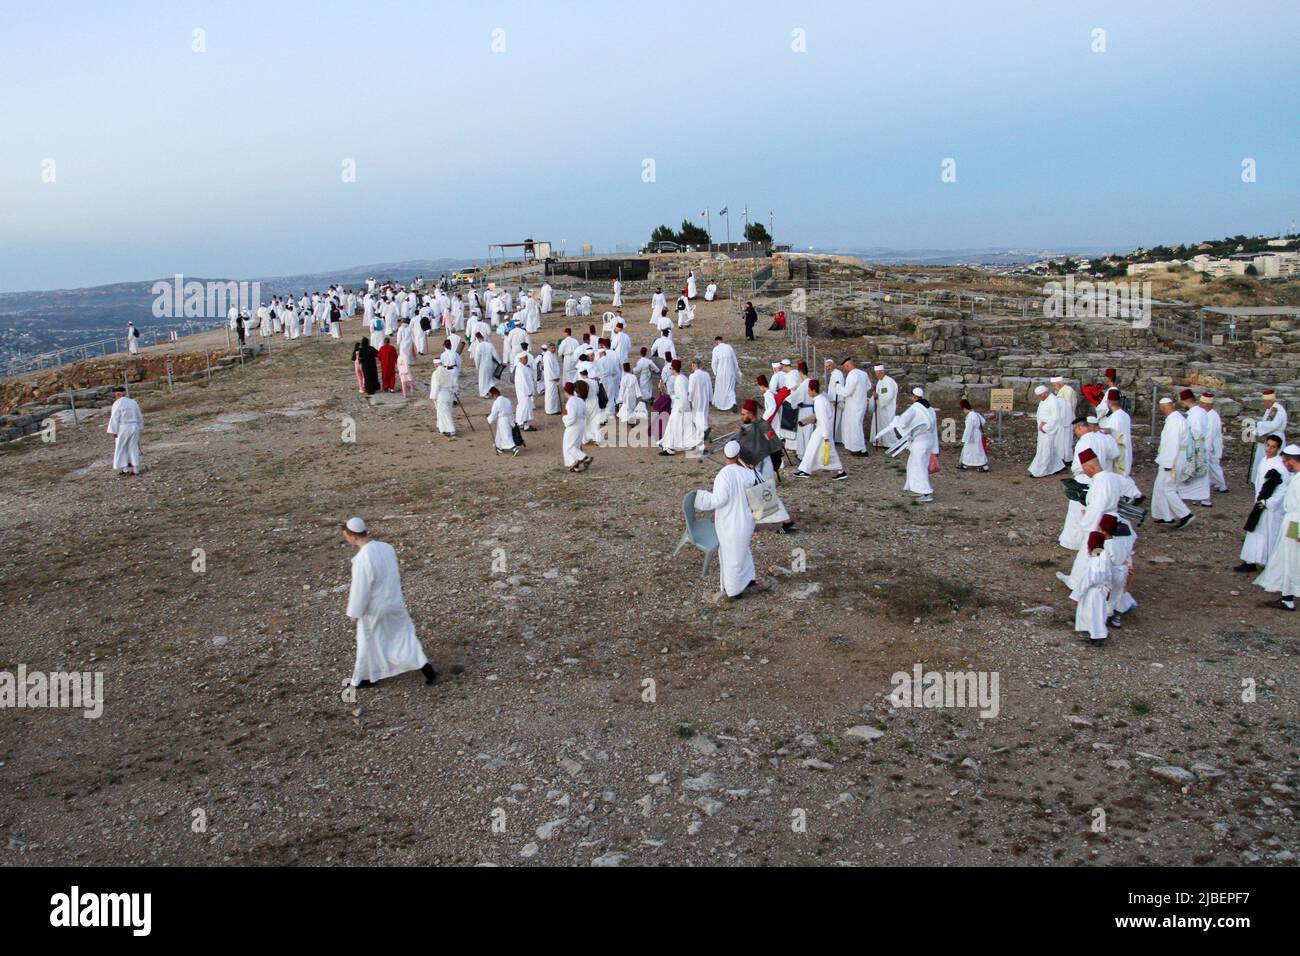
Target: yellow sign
1002, 399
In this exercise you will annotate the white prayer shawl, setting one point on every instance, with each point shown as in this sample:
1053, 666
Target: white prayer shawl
1198, 427
854, 410
525, 388
551, 381
726, 369
502, 416
919, 451
1048, 459
681, 432
126, 421
701, 392
1092, 596
886, 403
972, 441
1273, 422
1067, 395
823, 436
1281, 574
1171, 458
1120, 427
1259, 544
575, 428
386, 641
734, 522
442, 392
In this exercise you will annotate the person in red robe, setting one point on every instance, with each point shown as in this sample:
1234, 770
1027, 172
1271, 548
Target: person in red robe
388, 365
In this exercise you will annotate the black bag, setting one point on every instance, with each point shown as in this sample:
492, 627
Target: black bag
789, 418
517, 435
424, 323
1075, 490
497, 368
1131, 513
136, 333
601, 398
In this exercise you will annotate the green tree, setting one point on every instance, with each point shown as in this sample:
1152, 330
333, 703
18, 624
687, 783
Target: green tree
663, 234
757, 232
692, 235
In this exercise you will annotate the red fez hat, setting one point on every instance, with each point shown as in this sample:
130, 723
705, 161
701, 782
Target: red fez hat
677, 364
1186, 395
761, 380
749, 405
1107, 523
1087, 455
1110, 373
1112, 395
1096, 540
803, 367
965, 403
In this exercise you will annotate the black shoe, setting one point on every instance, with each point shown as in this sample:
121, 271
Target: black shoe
1184, 521
841, 476
985, 469
367, 683
802, 474
665, 453
1114, 621
430, 675
787, 529
1245, 568
1281, 604
961, 467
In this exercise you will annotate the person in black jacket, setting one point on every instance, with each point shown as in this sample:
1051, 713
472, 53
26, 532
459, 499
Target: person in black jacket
751, 317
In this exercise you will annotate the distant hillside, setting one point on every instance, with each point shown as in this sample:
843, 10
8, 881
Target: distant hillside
963, 257
33, 322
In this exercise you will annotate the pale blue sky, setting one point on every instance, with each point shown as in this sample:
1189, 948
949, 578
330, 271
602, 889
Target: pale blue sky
228, 162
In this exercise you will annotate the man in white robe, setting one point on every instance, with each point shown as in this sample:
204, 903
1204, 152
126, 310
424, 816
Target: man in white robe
1066, 416
1214, 443
1066, 394
1195, 486
125, 422
485, 359
710, 292
568, 352
551, 375
919, 421
1282, 573
525, 389
973, 454
1271, 422
886, 401
1047, 457
517, 341
820, 453
132, 339
1119, 426
547, 295
701, 391
620, 343
645, 371
618, 293
833, 385
442, 392
726, 370
854, 399
664, 347
1171, 458
658, 303
502, 419
386, 641
584, 304
733, 520
690, 284
575, 429
1270, 490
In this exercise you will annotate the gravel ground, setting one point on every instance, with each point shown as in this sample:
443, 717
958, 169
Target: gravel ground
599, 703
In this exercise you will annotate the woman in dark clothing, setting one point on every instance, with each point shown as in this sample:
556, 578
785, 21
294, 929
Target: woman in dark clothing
751, 316
368, 355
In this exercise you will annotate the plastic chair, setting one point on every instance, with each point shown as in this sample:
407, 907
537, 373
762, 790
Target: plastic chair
699, 532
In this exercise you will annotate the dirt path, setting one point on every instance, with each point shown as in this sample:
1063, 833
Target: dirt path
223, 688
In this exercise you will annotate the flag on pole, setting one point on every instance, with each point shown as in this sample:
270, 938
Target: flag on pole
722, 211
705, 214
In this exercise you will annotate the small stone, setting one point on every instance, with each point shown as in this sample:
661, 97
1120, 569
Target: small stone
1178, 775
609, 859
529, 851
864, 732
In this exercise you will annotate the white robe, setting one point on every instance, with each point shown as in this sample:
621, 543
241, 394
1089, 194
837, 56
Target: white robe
1048, 459
823, 437
525, 388
726, 369
972, 441
1092, 595
503, 417
484, 355
546, 297
857, 387
1214, 450
681, 432
886, 403
1272, 422
701, 390
1282, 573
618, 294
126, 421
924, 444
833, 388
734, 522
1198, 428
710, 291
1171, 459
1258, 546
551, 381
631, 408
1119, 426
386, 641
575, 429
690, 286
442, 391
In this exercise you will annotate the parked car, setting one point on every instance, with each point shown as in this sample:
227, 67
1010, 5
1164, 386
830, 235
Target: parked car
663, 245
470, 274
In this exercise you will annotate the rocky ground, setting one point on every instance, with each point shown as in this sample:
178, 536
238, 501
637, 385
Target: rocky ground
600, 704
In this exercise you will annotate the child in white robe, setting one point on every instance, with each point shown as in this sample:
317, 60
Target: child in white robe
502, 416
973, 454
1093, 591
